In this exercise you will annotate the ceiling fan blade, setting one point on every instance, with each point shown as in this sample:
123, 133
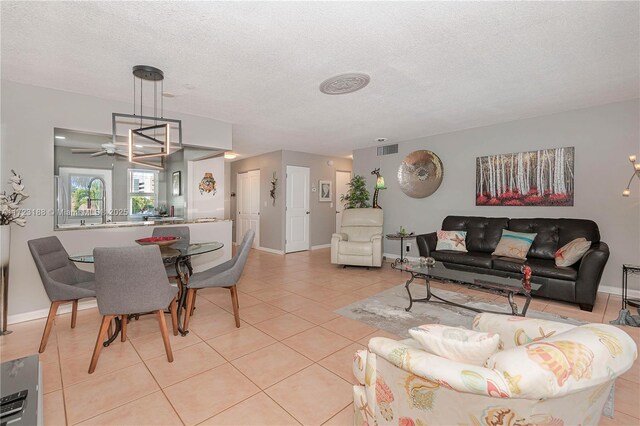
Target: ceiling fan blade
98, 154
121, 154
83, 150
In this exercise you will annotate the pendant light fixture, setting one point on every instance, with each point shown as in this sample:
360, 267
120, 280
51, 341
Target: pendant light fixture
149, 137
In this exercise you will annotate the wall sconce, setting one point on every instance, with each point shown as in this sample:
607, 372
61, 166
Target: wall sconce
378, 187
636, 173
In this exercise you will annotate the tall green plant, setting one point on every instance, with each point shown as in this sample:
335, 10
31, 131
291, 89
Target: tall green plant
358, 196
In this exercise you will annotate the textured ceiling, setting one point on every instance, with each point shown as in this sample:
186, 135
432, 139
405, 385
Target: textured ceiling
435, 67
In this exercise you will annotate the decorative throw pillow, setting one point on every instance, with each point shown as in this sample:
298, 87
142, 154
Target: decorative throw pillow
514, 244
452, 240
457, 344
571, 252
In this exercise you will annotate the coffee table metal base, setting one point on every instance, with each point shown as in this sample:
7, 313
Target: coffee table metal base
489, 286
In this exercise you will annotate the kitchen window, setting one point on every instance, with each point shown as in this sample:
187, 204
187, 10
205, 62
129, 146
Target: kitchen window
143, 192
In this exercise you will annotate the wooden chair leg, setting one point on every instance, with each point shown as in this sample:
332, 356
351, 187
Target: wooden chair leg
53, 309
74, 313
123, 329
234, 303
173, 308
106, 323
190, 294
165, 335
110, 330
193, 304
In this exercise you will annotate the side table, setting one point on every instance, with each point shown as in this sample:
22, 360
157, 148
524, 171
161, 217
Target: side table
626, 300
625, 317
401, 237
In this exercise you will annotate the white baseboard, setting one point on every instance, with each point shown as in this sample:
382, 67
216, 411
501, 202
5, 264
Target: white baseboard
43, 313
618, 291
390, 257
321, 246
269, 250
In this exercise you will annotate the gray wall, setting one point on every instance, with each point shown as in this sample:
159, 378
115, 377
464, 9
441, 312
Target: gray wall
29, 115
272, 217
603, 138
271, 224
323, 215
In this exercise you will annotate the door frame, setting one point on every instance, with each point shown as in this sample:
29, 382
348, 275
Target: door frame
239, 234
336, 191
286, 200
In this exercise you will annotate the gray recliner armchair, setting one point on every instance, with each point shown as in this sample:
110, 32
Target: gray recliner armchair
63, 281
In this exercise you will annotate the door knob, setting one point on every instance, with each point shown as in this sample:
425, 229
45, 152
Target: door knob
307, 212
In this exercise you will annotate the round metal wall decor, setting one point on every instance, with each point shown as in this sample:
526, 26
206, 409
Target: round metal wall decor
420, 174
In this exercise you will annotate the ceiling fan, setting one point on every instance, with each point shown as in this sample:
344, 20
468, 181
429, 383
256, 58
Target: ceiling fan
105, 149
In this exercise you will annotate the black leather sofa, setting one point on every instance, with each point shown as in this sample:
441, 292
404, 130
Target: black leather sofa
577, 283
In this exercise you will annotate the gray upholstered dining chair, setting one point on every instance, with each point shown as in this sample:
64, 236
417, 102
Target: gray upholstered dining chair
63, 281
225, 275
132, 280
174, 231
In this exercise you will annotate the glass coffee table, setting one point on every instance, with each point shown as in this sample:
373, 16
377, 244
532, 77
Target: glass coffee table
447, 273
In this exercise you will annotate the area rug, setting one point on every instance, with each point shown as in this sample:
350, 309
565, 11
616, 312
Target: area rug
386, 310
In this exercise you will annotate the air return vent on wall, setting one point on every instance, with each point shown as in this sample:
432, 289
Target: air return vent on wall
388, 149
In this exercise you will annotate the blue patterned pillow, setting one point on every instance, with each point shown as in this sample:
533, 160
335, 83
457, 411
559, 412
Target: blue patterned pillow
514, 244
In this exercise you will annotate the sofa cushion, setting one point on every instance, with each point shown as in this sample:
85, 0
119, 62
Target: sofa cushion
539, 267
547, 234
582, 357
455, 343
355, 248
483, 233
451, 240
471, 258
514, 244
572, 252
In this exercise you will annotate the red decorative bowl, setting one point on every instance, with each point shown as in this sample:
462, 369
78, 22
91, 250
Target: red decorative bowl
159, 241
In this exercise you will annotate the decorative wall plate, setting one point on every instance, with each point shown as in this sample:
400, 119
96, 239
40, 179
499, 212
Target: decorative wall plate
420, 174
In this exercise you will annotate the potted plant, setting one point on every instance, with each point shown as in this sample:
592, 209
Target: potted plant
358, 196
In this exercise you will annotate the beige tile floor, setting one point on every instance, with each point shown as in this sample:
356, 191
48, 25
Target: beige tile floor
259, 374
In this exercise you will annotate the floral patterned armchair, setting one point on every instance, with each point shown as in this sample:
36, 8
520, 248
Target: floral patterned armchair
545, 373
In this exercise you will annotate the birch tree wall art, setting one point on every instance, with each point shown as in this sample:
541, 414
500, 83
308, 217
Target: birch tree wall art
534, 178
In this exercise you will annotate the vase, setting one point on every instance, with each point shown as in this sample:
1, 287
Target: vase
5, 245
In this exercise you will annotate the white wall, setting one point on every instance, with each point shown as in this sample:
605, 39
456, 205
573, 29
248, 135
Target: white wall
206, 204
29, 115
603, 138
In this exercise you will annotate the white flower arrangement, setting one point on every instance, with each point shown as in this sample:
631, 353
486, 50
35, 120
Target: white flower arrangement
10, 204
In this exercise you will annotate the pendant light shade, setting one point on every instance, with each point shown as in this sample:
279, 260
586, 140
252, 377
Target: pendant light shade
150, 138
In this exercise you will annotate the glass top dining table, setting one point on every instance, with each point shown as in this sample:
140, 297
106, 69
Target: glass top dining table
175, 251
176, 254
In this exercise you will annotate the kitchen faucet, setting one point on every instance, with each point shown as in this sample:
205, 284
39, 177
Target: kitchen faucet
103, 207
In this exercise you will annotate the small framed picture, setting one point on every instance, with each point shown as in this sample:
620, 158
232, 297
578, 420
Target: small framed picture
324, 195
176, 183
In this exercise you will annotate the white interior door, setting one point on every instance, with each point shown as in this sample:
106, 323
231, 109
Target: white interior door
342, 187
248, 205
297, 210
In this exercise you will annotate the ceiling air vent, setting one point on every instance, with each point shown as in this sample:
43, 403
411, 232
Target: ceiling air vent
388, 149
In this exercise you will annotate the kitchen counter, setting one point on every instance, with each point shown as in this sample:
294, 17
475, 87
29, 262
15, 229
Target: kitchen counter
134, 223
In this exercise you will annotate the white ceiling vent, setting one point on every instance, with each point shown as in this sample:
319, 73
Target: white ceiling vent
388, 149
344, 83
